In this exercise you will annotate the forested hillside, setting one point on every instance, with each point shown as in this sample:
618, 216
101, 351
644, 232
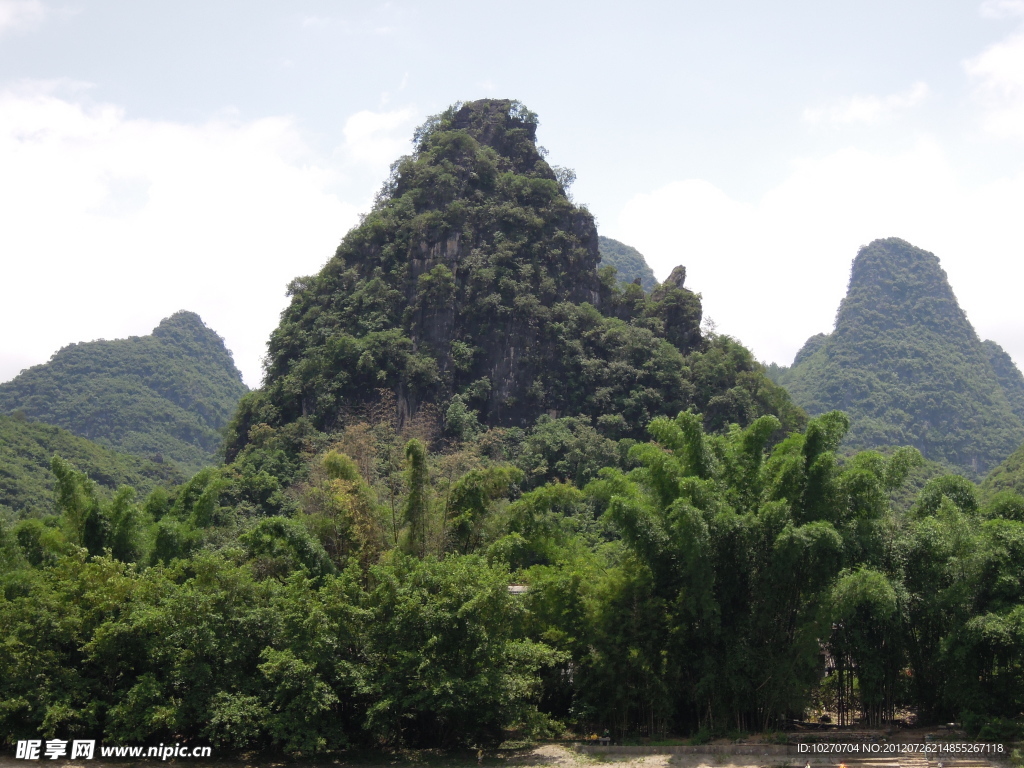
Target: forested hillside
164, 397
472, 288
27, 447
907, 366
1009, 376
460, 402
1007, 476
629, 263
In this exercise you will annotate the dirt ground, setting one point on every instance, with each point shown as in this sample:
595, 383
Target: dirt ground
557, 756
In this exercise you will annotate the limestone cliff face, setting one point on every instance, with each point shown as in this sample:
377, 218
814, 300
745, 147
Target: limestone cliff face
503, 247
473, 284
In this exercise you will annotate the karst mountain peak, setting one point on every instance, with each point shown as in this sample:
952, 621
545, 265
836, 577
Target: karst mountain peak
906, 363
474, 287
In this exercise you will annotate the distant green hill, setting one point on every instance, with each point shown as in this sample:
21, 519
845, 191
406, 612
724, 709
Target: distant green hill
164, 397
1008, 476
26, 447
629, 263
908, 367
1009, 376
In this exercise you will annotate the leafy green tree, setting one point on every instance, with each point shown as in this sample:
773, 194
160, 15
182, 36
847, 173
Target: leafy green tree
865, 641
568, 449
342, 511
448, 662
77, 500
471, 499
417, 504
282, 546
127, 526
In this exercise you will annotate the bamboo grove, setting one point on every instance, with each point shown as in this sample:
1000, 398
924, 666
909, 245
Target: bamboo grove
692, 583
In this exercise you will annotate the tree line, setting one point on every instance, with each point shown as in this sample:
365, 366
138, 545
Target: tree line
354, 591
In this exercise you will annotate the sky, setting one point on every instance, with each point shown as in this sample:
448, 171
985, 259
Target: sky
200, 155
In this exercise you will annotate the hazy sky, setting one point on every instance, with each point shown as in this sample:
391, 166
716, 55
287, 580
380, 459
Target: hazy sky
200, 155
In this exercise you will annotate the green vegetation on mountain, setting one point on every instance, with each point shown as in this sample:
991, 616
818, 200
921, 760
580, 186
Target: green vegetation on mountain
629, 263
472, 288
907, 366
1009, 376
164, 397
27, 447
461, 403
1007, 476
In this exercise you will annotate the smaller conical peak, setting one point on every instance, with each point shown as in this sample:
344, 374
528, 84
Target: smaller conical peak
896, 283
180, 320
185, 326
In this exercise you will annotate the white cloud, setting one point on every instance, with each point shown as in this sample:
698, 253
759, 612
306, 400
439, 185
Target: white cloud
377, 138
1001, 9
18, 15
869, 110
109, 223
772, 272
998, 73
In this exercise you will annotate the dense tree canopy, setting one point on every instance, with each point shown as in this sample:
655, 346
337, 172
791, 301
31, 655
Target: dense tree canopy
693, 582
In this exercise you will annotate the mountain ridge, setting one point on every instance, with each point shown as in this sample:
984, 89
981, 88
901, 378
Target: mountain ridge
163, 396
630, 265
